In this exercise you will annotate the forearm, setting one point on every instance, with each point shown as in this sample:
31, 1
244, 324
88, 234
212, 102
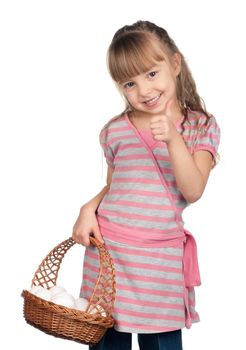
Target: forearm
188, 176
95, 201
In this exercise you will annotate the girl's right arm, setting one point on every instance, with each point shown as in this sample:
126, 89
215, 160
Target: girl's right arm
86, 222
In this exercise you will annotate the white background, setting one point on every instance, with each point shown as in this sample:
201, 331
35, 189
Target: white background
56, 94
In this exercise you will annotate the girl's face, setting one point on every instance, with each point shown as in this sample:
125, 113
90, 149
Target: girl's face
149, 92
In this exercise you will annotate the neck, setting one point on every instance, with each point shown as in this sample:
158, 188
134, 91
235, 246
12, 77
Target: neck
144, 117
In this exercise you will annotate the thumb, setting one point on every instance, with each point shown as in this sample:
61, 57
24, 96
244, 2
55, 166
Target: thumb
167, 110
97, 234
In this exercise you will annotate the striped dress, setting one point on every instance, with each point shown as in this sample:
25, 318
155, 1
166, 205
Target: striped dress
140, 218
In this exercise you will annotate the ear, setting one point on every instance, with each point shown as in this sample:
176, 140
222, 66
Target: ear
176, 63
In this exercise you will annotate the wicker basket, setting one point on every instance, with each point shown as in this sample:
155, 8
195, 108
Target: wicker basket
64, 322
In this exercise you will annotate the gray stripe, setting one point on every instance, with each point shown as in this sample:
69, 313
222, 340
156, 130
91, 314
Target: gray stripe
138, 211
108, 153
181, 203
207, 141
168, 177
131, 151
191, 294
142, 223
174, 190
138, 199
138, 187
192, 309
164, 164
153, 273
143, 174
134, 162
133, 140
133, 329
148, 260
161, 151
146, 321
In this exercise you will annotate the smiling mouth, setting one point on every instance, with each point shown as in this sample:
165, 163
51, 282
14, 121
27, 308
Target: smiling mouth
152, 100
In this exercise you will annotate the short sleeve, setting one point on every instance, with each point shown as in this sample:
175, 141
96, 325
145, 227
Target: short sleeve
208, 138
107, 151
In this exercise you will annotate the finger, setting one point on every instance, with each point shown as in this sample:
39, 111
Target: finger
97, 234
157, 120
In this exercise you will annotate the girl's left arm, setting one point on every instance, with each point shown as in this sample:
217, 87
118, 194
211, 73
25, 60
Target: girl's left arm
191, 171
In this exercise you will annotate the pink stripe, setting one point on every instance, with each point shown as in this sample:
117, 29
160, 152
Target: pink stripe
194, 315
147, 253
134, 277
165, 170
148, 291
109, 158
200, 123
136, 180
144, 156
149, 315
136, 167
135, 216
131, 146
149, 194
212, 135
201, 146
144, 291
133, 156
113, 129
192, 302
141, 193
86, 289
137, 204
162, 157
149, 303
145, 327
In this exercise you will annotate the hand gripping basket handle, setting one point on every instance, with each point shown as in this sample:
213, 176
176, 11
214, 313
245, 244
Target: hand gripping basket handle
104, 290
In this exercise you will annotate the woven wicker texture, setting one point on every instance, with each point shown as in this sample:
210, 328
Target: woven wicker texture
83, 326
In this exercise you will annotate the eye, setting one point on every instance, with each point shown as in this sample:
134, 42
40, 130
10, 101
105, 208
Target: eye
128, 85
153, 74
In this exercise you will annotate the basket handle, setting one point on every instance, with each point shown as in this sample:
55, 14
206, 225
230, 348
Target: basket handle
47, 272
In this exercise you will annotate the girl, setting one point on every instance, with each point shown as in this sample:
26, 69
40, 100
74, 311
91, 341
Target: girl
159, 152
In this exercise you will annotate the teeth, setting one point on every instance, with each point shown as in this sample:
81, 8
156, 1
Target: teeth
153, 99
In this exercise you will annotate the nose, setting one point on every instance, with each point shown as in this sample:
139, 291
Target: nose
144, 90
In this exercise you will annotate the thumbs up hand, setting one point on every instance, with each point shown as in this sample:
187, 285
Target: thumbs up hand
162, 127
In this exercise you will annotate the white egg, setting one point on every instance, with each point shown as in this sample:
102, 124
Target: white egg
57, 290
64, 299
81, 304
97, 308
44, 294
35, 289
